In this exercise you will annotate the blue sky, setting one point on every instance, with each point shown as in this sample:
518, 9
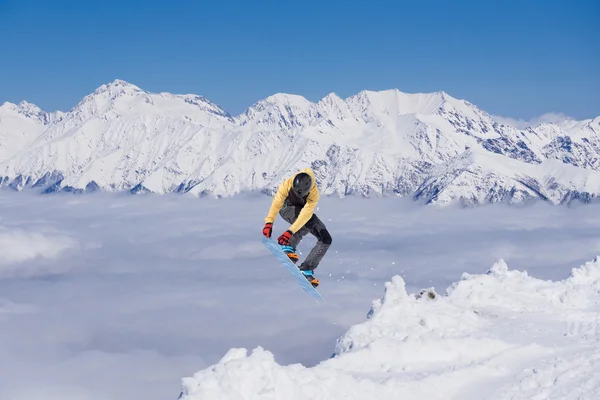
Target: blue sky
512, 58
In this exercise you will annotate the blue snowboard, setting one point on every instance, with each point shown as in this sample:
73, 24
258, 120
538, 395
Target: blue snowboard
275, 249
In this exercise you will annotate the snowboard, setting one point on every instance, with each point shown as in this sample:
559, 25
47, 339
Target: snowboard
274, 248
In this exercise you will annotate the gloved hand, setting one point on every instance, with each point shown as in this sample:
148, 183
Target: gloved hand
284, 239
268, 229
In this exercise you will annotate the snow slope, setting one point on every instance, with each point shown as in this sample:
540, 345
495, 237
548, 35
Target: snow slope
20, 125
121, 137
500, 335
499, 178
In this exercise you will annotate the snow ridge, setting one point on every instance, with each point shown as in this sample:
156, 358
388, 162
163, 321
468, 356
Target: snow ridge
497, 335
431, 146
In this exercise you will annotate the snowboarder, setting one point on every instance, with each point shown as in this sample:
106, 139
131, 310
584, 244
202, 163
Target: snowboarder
295, 200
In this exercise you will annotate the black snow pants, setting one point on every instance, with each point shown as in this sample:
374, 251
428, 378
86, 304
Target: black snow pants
314, 226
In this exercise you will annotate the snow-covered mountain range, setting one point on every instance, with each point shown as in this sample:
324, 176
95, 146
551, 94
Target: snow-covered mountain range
431, 146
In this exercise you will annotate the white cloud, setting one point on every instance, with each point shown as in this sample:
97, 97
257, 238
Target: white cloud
18, 246
553, 118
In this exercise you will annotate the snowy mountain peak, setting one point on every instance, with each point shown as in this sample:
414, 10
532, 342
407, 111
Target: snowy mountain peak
281, 101
395, 102
23, 107
108, 96
332, 98
118, 88
20, 125
123, 98
26, 110
334, 107
29, 107
292, 100
281, 111
117, 85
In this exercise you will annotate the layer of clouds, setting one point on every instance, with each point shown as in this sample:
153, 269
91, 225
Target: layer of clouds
553, 118
152, 289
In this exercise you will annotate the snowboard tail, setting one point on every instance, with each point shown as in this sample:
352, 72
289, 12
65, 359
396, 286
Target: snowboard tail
276, 250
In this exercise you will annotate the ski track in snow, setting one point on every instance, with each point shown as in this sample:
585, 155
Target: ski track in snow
120, 297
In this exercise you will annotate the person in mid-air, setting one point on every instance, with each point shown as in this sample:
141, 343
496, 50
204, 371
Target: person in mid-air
295, 200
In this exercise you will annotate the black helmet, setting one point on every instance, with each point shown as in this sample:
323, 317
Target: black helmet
302, 184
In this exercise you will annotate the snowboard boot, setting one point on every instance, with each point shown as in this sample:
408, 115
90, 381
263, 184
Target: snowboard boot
309, 275
291, 253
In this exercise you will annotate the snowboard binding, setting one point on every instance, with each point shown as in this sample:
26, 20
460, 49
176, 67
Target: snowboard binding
308, 274
291, 253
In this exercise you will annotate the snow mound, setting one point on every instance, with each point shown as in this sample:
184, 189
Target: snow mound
499, 335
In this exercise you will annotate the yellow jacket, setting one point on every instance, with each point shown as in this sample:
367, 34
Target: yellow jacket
282, 194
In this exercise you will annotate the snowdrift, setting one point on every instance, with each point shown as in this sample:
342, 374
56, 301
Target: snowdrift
499, 335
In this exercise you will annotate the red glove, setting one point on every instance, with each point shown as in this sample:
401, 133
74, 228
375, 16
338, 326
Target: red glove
268, 229
284, 239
